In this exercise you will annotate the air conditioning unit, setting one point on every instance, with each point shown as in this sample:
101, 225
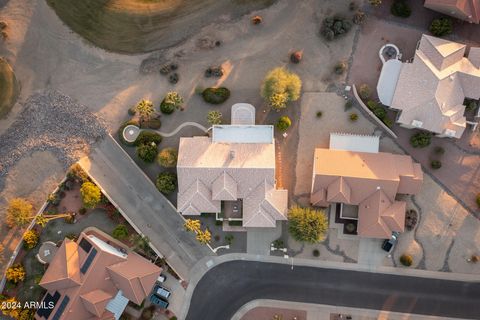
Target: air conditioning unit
417, 123
450, 133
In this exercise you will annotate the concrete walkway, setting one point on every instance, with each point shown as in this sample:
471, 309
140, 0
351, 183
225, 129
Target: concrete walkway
180, 127
145, 208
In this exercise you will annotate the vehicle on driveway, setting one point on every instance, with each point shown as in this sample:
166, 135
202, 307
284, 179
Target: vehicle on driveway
161, 292
156, 300
389, 244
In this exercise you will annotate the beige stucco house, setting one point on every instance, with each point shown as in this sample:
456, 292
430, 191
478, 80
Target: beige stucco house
429, 91
362, 183
94, 278
232, 173
468, 10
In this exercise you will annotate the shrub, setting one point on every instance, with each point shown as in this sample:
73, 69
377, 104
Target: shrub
146, 137
319, 114
380, 112
19, 212
82, 211
281, 87
278, 243
214, 117
147, 313
216, 238
283, 123
375, 3
353, 117
364, 91
16, 273
120, 232
147, 151
420, 139
470, 104
76, 173
229, 239
406, 260
438, 150
436, 164
132, 111
30, 239
411, 218
120, 131
333, 27
91, 194
474, 258
478, 200
359, 17
348, 105
316, 253
145, 109
171, 102
372, 105
307, 225
441, 27
340, 67
401, 9
216, 95
167, 157
166, 182
388, 122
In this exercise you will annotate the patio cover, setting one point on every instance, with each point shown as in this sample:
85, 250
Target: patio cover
387, 82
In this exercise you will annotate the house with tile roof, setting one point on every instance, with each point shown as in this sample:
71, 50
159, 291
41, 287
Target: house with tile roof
468, 10
94, 278
232, 173
364, 183
430, 91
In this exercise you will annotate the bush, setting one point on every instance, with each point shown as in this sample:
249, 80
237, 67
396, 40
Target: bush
147, 151
76, 173
380, 112
411, 218
388, 122
333, 27
478, 200
171, 102
438, 150
166, 182
436, 164
348, 105
401, 9
406, 260
216, 95
30, 239
359, 17
82, 211
120, 131
470, 104
120, 232
132, 111
167, 157
421, 139
147, 313
214, 117
16, 273
283, 123
353, 117
19, 212
375, 3
316, 253
340, 67
146, 137
319, 114
229, 239
307, 225
372, 105
281, 87
364, 91
91, 194
441, 27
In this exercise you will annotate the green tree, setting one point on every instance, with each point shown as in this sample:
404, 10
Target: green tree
19, 212
204, 237
120, 232
145, 110
441, 27
420, 139
140, 242
91, 194
280, 87
30, 239
147, 151
166, 182
16, 273
171, 102
283, 123
167, 157
307, 225
214, 117
192, 225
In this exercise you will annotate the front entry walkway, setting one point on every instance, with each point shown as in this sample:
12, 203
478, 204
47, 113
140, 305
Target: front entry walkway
145, 208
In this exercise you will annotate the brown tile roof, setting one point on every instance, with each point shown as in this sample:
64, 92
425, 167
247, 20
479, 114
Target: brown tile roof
431, 89
468, 10
110, 271
369, 180
209, 172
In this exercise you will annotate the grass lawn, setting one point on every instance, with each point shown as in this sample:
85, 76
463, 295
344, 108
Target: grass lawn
9, 88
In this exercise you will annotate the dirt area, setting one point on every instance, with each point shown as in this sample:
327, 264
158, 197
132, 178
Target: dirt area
9, 88
136, 26
267, 313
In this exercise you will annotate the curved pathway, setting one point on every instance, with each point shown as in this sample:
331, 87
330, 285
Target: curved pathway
180, 127
226, 287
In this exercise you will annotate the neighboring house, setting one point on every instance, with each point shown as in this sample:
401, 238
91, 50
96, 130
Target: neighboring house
94, 278
232, 173
430, 91
362, 183
468, 10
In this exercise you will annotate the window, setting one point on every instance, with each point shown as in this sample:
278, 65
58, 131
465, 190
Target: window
85, 245
44, 311
88, 261
61, 308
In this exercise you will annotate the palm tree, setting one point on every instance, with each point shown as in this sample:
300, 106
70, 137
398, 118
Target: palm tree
43, 219
140, 242
145, 110
214, 117
192, 225
204, 237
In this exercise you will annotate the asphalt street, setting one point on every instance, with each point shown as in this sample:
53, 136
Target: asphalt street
228, 286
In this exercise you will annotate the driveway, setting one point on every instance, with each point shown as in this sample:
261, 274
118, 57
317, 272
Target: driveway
130, 190
227, 287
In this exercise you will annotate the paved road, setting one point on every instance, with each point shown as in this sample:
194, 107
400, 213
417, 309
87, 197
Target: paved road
228, 286
137, 197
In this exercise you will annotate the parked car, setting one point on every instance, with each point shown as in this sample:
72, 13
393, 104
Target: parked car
161, 278
158, 301
389, 244
161, 292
